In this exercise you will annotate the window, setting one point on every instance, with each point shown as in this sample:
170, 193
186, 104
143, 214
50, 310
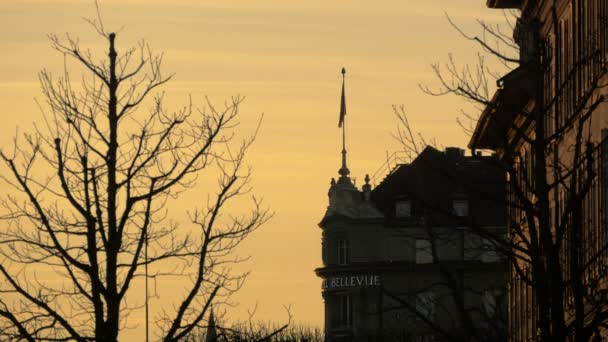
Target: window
424, 253
489, 253
425, 305
398, 249
491, 302
324, 252
471, 246
343, 252
461, 207
403, 208
345, 310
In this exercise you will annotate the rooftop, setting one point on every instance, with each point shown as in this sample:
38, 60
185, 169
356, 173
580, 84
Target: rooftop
435, 178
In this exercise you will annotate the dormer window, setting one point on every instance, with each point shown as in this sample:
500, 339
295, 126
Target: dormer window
403, 208
460, 207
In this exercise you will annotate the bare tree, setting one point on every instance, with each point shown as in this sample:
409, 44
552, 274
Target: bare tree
545, 133
474, 83
87, 213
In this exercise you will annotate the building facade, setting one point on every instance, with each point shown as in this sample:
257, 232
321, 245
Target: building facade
412, 259
548, 123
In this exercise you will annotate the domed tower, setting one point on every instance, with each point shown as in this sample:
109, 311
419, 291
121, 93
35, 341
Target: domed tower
350, 241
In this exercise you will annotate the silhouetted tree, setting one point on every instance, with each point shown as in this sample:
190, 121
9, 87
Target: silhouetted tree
251, 331
87, 213
555, 162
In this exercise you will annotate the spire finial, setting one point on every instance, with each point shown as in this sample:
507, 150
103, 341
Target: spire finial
344, 171
211, 335
367, 189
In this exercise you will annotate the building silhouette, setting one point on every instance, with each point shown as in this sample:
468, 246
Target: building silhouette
563, 59
211, 332
400, 262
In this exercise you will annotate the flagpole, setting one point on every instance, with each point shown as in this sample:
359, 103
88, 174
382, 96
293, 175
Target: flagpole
344, 119
147, 295
344, 172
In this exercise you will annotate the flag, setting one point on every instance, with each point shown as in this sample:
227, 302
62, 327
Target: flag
343, 102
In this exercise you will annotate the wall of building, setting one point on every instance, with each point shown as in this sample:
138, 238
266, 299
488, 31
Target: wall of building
396, 269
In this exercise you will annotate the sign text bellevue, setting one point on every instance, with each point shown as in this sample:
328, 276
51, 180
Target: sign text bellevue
358, 280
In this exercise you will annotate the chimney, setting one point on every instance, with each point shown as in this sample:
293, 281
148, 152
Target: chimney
454, 152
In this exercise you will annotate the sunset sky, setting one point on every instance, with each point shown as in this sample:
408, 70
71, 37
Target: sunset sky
285, 56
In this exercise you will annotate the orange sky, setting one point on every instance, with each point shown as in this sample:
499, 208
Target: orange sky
285, 56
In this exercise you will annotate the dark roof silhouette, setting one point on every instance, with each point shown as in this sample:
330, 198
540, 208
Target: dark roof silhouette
435, 178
